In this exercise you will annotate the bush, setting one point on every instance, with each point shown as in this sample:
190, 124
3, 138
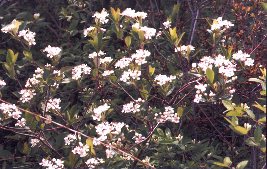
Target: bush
132, 84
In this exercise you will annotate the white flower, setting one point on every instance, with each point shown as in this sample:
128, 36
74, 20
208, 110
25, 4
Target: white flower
249, 62
220, 25
51, 104
140, 56
26, 95
36, 15
93, 162
163, 79
123, 62
53, 164
105, 60
81, 150
107, 72
99, 110
2, 83
167, 24
28, 36
149, 32
184, 49
138, 138
101, 17
201, 87
21, 122
247, 126
80, 70
133, 106
244, 57
34, 142
52, 51
129, 12
167, 115
129, 75
88, 30
95, 54
179, 137
141, 15
110, 153
71, 138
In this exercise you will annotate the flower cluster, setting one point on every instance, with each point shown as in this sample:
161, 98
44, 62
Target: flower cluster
79, 70
95, 54
148, 32
107, 72
52, 52
93, 162
167, 24
225, 66
185, 49
123, 62
71, 138
133, 106
99, 110
129, 75
132, 14
28, 35
106, 128
29, 92
138, 138
2, 83
53, 164
167, 115
51, 104
81, 150
164, 79
220, 25
34, 142
11, 111
101, 17
140, 56
243, 57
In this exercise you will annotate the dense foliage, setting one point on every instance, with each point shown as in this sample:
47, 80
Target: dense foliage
133, 84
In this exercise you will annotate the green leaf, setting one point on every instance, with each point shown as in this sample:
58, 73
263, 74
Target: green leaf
210, 75
26, 148
234, 113
260, 107
144, 93
175, 10
251, 114
180, 111
90, 144
151, 70
179, 39
128, 41
264, 5
173, 34
262, 120
257, 134
242, 164
227, 161
11, 58
220, 164
239, 130
228, 104
28, 55
251, 141
10, 70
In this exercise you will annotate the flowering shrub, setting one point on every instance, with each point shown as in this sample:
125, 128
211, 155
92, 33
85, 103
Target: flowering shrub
120, 88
